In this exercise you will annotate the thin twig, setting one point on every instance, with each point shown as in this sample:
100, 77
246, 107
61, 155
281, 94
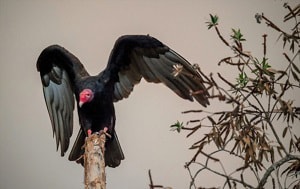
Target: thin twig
151, 185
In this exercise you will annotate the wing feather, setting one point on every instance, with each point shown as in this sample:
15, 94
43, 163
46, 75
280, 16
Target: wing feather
49, 96
118, 92
139, 56
59, 72
143, 68
162, 70
60, 105
134, 75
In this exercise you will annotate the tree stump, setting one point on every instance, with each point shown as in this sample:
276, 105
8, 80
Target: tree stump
94, 161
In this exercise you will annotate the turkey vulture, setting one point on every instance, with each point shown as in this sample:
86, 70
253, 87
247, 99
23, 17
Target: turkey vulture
132, 57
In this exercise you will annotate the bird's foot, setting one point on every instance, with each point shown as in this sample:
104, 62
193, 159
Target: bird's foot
105, 129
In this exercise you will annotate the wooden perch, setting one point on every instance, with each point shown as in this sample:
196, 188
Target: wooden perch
94, 161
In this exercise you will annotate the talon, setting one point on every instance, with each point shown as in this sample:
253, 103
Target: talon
78, 159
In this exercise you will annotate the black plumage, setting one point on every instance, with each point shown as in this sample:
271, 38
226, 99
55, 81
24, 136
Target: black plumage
133, 57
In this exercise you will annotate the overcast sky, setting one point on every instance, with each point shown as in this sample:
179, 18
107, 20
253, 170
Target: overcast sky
89, 28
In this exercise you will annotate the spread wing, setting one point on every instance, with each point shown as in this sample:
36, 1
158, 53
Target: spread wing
137, 56
58, 70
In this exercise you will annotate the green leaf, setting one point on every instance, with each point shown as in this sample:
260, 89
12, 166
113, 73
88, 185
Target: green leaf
263, 67
177, 126
213, 21
242, 80
237, 35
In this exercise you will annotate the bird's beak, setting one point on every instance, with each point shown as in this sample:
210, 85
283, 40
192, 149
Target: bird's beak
80, 104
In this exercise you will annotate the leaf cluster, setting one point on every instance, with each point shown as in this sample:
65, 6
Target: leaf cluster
259, 100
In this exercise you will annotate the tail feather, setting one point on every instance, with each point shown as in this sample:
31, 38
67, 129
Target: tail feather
78, 149
113, 152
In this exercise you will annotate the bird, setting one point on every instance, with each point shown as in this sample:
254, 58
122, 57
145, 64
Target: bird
67, 84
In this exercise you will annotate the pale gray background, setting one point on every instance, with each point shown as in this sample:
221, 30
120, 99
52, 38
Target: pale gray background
89, 28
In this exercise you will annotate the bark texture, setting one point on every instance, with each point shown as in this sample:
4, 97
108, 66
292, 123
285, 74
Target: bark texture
94, 162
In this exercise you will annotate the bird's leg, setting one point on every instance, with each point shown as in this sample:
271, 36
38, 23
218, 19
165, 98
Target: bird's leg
105, 129
89, 132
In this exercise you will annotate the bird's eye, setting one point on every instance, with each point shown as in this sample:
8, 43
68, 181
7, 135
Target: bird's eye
88, 95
